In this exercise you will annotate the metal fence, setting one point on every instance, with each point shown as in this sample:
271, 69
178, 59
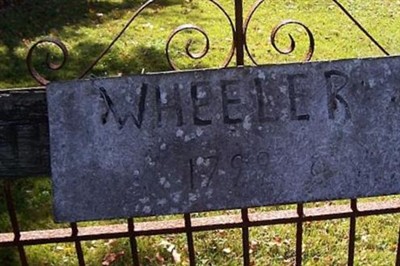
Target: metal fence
187, 224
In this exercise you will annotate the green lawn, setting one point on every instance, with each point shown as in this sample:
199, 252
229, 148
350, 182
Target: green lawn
87, 29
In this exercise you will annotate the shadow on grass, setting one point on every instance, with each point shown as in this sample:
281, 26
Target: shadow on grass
35, 17
150, 57
147, 58
40, 17
25, 22
143, 58
9, 256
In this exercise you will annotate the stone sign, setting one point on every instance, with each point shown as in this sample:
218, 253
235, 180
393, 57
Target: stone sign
226, 138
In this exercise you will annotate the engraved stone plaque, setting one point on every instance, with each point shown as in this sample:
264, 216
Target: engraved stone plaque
226, 138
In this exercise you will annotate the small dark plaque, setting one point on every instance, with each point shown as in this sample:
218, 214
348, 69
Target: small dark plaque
221, 139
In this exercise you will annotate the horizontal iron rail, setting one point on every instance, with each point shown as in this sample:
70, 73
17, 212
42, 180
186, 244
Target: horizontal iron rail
177, 226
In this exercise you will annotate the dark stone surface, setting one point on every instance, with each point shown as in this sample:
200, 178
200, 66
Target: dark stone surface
24, 144
222, 139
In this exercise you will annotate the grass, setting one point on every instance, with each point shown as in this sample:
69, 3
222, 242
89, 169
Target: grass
86, 29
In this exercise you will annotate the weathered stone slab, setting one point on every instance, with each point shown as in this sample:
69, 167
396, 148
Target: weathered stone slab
221, 139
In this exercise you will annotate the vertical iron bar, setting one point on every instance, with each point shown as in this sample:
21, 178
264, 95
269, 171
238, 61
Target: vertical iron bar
239, 36
189, 236
299, 235
133, 242
14, 223
398, 251
78, 246
352, 232
347, 13
245, 237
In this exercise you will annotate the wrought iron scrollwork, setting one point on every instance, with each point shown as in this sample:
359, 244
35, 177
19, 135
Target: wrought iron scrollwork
188, 47
206, 48
50, 65
188, 43
274, 33
292, 46
105, 51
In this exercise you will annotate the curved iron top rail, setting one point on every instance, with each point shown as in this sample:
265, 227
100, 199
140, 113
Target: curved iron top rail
239, 37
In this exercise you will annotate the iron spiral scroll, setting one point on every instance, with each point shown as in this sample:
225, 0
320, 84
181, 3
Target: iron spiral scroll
274, 33
188, 46
49, 65
206, 48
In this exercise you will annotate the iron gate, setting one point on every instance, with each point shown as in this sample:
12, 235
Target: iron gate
188, 224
